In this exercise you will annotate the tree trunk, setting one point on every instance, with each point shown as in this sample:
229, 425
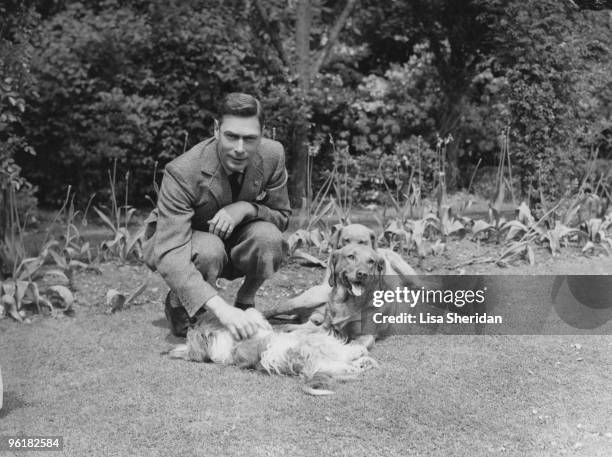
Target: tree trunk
299, 156
448, 126
452, 171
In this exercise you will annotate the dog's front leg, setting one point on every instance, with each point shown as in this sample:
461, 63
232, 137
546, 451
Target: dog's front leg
366, 341
307, 300
353, 331
308, 327
311, 298
396, 265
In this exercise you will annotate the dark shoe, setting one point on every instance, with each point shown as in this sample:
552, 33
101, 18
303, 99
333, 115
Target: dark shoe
177, 315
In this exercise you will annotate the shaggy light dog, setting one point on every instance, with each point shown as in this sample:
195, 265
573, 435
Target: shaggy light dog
319, 357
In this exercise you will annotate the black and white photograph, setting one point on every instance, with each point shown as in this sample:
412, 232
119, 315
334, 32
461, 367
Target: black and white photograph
306, 228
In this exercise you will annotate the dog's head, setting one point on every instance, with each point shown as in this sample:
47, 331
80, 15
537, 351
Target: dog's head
354, 234
354, 267
354, 270
212, 341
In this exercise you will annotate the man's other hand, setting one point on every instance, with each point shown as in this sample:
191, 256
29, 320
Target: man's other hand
241, 324
225, 221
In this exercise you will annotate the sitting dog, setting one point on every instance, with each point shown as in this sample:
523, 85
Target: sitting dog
355, 271
353, 234
320, 358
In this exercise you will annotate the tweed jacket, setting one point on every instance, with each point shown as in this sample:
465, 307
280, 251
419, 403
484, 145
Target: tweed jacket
194, 187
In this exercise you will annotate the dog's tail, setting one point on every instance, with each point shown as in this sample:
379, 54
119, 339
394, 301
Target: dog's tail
180, 351
319, 385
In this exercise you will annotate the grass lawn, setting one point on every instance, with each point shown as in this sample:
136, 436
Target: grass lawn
100, 381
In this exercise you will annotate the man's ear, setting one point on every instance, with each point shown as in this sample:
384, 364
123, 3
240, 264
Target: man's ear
216, 129
333, 259
373, 241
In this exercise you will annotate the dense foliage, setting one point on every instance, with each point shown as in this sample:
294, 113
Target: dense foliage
139, 82
17, 37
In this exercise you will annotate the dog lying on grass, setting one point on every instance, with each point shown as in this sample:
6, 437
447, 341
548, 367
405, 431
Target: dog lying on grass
319, 357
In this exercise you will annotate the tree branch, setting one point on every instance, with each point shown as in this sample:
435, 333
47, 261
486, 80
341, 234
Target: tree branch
272, 31
596, 5
323, 55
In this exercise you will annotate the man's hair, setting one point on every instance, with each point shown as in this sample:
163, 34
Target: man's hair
243, 105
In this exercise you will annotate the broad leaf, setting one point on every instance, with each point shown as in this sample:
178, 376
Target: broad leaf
105, 219
481, 226
10, 305
59, 260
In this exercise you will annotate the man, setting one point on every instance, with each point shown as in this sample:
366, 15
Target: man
221, 208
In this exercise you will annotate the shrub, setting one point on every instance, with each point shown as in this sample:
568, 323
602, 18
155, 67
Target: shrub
17, 35
136, 86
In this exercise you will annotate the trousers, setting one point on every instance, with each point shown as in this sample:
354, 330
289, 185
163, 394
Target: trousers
254, 250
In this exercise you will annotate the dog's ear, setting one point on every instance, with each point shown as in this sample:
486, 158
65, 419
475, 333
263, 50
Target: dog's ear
248, 353
381, 267
333, 259
335, 237
373, 241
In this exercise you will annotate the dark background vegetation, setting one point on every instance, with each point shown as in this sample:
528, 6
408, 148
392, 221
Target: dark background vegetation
84, 83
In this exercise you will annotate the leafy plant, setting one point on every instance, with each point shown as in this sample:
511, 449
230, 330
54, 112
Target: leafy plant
597, 236
16, 296
125, 243
12, 248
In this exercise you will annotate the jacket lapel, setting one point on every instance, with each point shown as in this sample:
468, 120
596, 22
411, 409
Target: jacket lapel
215, 179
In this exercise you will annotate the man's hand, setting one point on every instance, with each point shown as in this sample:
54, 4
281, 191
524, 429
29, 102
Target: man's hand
225, 221
241, 324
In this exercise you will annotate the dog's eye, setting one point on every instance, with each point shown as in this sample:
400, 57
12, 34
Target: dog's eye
346, 241
362, 242
350, 257
370, 262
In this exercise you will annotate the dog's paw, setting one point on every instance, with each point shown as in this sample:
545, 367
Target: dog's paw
317, 318
358, 350
288, 328
366, 363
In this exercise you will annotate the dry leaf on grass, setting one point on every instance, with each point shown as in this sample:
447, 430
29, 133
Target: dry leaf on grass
309, 260
116, 300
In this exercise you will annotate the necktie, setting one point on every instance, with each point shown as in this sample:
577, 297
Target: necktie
235, 184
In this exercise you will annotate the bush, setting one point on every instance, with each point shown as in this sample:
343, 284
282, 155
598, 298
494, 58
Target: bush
135, 86
17, 37
139, 82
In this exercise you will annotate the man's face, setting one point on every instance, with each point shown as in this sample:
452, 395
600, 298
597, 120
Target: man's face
238, 138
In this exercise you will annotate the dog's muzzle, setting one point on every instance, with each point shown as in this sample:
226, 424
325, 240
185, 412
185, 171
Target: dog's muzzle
355, 286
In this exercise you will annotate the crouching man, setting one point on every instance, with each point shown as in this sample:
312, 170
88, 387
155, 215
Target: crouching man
221, 209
